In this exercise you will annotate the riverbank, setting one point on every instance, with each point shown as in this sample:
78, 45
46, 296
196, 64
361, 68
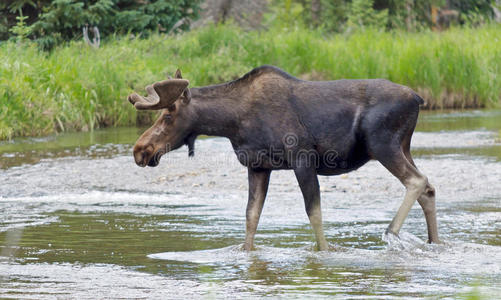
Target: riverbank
75, 87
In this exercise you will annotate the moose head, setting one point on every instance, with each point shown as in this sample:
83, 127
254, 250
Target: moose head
172, 128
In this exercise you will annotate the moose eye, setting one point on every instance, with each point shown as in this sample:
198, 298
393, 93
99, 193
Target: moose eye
168, 118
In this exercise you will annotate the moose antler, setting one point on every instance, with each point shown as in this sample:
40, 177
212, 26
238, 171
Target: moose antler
161, 94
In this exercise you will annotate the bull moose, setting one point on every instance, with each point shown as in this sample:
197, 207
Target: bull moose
275, 121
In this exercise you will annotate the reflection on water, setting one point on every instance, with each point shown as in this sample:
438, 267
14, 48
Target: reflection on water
79, 219
100, 143
433, 121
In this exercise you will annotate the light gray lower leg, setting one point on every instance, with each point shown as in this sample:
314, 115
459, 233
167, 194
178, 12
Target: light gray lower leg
427, 202
415, 187
315, 216
258, 187
308, 182
254, 209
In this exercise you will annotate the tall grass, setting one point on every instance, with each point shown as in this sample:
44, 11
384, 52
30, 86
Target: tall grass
76, 87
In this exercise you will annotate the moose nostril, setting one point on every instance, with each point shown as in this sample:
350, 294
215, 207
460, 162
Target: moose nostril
139, 157
142, 154
145, 155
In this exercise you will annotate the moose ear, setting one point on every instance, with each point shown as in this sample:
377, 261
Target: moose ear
186, 93
169, 91
186, 96
178, 74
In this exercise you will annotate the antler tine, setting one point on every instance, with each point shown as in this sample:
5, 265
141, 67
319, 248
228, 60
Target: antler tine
160, 94
148, 102
152, 95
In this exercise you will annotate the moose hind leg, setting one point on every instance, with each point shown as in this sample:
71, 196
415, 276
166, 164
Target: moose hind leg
414, 182
258, 187
427, 203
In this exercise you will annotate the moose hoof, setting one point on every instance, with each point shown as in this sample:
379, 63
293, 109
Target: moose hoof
435, 242
389, 232
390, 237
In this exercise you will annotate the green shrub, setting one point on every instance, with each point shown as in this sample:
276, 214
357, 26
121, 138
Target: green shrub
362, 15
52, 22
412, 15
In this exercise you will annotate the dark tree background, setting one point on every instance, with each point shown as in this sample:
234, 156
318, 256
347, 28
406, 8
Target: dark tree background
333, 15
51, 22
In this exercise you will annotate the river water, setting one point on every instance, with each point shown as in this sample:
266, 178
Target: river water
80, 220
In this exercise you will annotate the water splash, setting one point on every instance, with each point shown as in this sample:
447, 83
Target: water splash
403, 241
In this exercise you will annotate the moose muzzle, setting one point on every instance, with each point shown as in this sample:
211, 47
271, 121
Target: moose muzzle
145, 156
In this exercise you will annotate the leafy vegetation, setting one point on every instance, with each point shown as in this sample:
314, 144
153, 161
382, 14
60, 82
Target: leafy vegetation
76, 87
362, 14
411, 15
52, 22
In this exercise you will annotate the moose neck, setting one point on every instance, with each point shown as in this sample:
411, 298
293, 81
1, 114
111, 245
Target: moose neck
217, 109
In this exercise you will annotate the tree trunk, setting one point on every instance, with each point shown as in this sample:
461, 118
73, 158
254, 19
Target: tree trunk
315, 12
409, 18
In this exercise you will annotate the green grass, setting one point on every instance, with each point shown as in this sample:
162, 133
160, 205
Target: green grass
76, 87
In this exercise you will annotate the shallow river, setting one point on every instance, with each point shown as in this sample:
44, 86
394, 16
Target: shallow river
80, 220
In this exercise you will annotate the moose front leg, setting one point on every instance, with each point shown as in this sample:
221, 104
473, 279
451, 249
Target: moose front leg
308, 182
258, 187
